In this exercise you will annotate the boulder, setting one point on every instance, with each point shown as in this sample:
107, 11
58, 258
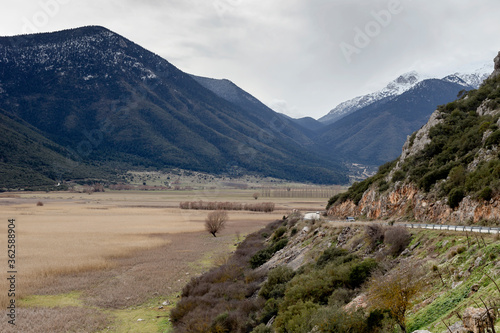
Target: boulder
476, 320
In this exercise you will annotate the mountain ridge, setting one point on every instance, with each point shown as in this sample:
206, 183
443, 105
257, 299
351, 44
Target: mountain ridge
112, 101
399, 86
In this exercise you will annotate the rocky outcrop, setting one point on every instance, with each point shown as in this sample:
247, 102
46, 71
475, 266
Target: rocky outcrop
478, 320
420, 139
407, 202
294, 255
496, 71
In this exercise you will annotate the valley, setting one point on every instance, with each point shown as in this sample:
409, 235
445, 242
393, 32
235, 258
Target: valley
115, 257
112, 161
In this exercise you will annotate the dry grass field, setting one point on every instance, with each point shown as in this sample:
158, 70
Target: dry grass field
91, 263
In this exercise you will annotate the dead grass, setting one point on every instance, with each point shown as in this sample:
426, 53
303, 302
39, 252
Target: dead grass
115, 249
62, 320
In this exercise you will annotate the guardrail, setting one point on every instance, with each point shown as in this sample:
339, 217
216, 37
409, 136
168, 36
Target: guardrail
484, 230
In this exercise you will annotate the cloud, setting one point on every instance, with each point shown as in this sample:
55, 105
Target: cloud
288, 50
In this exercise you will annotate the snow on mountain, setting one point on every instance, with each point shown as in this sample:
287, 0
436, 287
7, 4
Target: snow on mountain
395, 88
470, 79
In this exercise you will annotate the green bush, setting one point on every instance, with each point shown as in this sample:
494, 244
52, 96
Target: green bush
493, 139
262, 328
317, 285
270, 309
361, 272
455, 197
296, 318
398, 176
330, 255
262, 256
333, 319
486, 193
279, 233
276, 282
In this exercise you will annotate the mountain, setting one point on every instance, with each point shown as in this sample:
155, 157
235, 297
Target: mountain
374, 134
448, 172
470, 79
229, 91
112, 103
29, 160
309, 123
397, 87
306, 123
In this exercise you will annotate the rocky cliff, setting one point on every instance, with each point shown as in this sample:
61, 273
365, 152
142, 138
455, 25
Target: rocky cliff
407, 202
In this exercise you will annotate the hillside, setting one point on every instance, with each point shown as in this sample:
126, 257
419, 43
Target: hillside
29, 160
116, 105
309, 276
448, 171
229, 91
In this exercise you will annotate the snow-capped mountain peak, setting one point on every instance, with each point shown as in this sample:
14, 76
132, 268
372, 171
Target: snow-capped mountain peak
470, 79
396, 87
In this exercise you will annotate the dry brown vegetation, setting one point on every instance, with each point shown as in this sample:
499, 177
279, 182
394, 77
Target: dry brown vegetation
62, 320
226, 289
216, 221
118, 249
395, 291
266, 207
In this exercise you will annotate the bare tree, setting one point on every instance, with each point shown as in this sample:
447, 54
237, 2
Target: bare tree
395, 290
215, 221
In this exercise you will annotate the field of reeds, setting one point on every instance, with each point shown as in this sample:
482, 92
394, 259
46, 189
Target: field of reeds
88, 262
266, 207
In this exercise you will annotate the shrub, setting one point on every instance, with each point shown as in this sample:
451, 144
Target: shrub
39, 203
264, 255
375, 234
278, 233
455, 197
262, 328
335, 319
398, 238
318, 285
361, 272
330, 255
296, 318
269, 310
486, 193
341, 296
398, 176
493, 139
276, 282
215, 221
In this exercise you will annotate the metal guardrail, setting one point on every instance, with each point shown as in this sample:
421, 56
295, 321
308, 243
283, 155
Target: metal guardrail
484, 230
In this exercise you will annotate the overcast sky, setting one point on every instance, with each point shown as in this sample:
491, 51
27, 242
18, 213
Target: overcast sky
301, 57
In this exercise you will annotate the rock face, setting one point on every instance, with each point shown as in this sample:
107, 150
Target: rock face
421, 138
477, 320
497, 66
407, 202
